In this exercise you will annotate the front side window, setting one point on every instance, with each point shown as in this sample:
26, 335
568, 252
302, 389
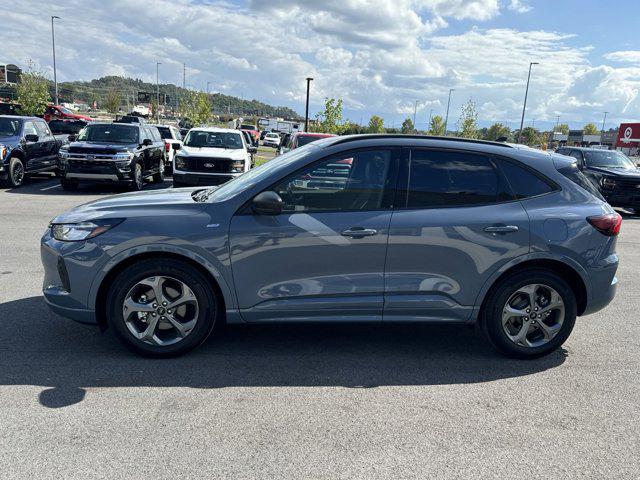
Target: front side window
9, 127
30, 129
355, 181
43, 130
449, 179
200, 138
110, 133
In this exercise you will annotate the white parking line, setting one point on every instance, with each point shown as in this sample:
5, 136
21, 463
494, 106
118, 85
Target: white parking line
57, 185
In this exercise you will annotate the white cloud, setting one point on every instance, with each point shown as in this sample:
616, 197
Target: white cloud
519, 6
629, 56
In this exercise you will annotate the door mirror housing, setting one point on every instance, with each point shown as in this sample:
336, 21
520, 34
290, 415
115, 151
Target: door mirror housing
252, 150
147, 142
176, 146
267, 203
31, 138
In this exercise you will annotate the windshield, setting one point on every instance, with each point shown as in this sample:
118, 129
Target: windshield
306, 139
200, 138
608, 159
165, 132
255, 175
9, 127
109, 133
66, 111
248, 127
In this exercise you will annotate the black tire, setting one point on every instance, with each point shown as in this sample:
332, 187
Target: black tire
69, 184
16, 174
177, 184
159, 177
122, 284
491, 315
137, 178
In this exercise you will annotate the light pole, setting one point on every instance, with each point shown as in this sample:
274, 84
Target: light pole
53, 43
415, 110
557, 122
306, 111
603, 122
158, 92
524, 107
430, 117
446, 119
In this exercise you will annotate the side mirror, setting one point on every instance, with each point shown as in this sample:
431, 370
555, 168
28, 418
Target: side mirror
267, 203
31, 138
176, 146
147, 142
71, 138
252, 150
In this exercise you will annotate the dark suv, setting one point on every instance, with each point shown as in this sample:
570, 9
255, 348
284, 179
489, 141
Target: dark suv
113, 152
346, 229
612, 172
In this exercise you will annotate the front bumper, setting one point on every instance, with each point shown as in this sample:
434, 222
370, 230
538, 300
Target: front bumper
95, 171
201, 178
622, 199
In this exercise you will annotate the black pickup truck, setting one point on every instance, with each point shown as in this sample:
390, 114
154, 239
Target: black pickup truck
119, 153
614, 174
27, 146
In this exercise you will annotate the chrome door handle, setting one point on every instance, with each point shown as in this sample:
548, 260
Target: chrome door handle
358, 232
501, 229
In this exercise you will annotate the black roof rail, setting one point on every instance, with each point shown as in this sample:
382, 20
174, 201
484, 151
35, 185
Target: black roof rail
364, 136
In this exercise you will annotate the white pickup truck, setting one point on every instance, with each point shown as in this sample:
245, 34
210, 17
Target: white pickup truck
170, 136
211, 156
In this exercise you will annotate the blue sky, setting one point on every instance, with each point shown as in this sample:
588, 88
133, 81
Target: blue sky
379, 56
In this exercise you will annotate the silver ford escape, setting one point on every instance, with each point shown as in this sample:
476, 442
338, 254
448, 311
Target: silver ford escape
369, 228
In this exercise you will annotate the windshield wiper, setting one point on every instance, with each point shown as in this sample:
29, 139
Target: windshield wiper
203, 195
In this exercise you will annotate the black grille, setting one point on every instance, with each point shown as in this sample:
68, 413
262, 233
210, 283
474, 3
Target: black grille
92, 151
627, 185
92, 166
209, 165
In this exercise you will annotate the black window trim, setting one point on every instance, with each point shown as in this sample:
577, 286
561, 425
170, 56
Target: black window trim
405, 164
555, 187
396, 159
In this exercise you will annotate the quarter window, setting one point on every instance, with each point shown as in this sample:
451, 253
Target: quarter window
446, 179
354, 181
523, 183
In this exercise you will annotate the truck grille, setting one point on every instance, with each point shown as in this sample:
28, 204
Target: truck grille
627, 185
209, 165
91, 166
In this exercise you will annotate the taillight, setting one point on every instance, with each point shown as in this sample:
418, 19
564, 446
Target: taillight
608, 224
167, 147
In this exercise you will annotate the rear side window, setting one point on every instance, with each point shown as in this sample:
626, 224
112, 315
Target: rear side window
524, 183
449, 179
573, 173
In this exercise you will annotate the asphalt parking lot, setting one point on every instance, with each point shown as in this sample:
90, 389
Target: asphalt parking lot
305, 401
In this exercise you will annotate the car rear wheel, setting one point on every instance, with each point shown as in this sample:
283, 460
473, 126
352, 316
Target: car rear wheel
69, 184
159, 177
16, 173
161, 307
529, 314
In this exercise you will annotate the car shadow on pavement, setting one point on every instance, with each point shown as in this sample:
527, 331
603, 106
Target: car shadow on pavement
49, 185
40, 348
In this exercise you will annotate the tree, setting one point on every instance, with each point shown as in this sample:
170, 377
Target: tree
496, 131
407, 126
469, 120
330, 120
436, 127
112, 103
195, 107
562, 128
32, 92
531, 137
591, 129
376, 125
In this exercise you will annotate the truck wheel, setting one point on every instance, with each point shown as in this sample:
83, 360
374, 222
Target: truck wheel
137, 181
69, 184
16, 173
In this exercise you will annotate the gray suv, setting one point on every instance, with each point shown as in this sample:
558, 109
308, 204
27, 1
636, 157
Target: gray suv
368, 228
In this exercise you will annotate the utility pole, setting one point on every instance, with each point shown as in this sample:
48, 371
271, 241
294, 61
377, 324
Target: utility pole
430, 117
557, 122
524, 107
603, 122
184, 76
53, 43
306, 111
446, 119
208, 83
415, 110
158, 92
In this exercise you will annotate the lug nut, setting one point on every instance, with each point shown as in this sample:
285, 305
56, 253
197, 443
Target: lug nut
164, 304
153, 314
155, 305
168, 311
528, 310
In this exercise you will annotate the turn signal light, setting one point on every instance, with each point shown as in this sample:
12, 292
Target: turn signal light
608, 224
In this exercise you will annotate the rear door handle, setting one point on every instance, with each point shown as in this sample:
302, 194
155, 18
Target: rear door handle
501, 229
359, 232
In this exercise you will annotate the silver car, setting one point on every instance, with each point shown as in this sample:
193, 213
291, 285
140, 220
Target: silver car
369, 228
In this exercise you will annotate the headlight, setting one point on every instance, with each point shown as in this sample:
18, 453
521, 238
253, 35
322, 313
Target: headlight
3, 152
237, 166
608, 182
123, 156
76, 232
181, 163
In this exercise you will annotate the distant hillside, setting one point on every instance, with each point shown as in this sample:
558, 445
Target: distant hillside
129, 88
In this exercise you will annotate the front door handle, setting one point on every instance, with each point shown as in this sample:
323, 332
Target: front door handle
501, 229
359, 232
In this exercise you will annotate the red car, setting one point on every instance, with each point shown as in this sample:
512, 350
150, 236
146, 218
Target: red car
251, 130
57, 112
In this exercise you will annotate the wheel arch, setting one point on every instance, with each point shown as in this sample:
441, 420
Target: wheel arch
215, 281
572, 275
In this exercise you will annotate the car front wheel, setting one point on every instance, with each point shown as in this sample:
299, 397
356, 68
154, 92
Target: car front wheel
16, 173
530, 314
137, 180
161, 307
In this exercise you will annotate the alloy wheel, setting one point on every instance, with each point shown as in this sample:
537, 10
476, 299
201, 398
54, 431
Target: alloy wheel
160, 310
18, 173
533, 315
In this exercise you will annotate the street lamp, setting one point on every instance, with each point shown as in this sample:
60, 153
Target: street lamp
53, 42
446, 119
158, 91
306, 111
524, 107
